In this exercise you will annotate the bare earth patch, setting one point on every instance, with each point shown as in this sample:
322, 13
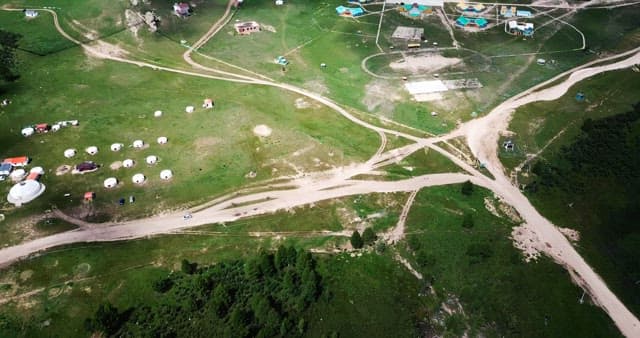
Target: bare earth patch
262, 130
380, 94
425, 62
63, 169
116, 165
571, 234
525, 239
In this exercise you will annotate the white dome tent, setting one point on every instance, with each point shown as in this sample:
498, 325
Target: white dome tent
56, 127
38, 170
138, 144
157, 113
189, 109
92, 150
151, 159
162, 140
69, 153
116, 146
110, 182
138, 178
26, 132
128, 163
166, 174
25, 192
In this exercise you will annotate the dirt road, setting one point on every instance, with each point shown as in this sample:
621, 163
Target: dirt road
482, 135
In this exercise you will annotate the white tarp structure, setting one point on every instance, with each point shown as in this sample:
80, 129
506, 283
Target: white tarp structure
426, 90
69, 153
92, 150
116, 146
110, 182
162, 140
26, 132
138, 178
166, 174
189, 109
25, 192
157, 113
138, 144
152, 159
128, 163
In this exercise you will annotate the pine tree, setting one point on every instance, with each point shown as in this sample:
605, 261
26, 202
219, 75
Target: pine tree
368, 236
356, 240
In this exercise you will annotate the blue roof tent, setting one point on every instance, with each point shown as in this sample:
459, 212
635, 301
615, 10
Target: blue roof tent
525, 14
481, 22
346, 11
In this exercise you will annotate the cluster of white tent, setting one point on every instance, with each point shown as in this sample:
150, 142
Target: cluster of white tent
92, 150
138, 178
28, 131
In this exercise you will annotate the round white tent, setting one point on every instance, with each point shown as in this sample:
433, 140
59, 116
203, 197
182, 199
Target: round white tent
25, 192
162, 140
116, 146
92, 150
138, 178
56, 127
69, 153
189, 109
128, 163
74, 122
138, 144
152, 159
157, 113
26, 132
38, 170
166, 174
110, 182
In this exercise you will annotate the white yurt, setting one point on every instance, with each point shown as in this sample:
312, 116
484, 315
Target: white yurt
189, 109
157, 113
92, 150
166, 174
138, 144
128, 163
152, 159
138, 178
55, 127
116, 146
26, 132
25, 192
38, 170
162, 140
69, 153
110, 182
74, 122
17, 175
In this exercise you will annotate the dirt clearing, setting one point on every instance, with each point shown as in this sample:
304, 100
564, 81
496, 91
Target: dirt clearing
425, 62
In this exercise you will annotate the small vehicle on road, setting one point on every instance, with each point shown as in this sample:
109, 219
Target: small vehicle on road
187, 216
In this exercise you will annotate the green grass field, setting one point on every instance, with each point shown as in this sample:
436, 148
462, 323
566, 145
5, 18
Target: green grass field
499, 294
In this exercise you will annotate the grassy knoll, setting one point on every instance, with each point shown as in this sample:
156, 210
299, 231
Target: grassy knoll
537, 123
371, 296
477, 271
589, 184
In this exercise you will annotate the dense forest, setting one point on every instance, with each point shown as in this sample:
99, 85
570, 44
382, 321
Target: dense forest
596, 180
263, 296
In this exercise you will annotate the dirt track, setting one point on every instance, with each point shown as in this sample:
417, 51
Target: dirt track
482, 135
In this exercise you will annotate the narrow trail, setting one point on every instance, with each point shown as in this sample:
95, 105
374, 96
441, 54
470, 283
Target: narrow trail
482, 136
397, 233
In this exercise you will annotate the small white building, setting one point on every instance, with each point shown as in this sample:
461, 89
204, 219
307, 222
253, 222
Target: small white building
128, 163
116, 146
26, 132
69, 153
279, 2
138, 144
189, 109
166, 174
110, 182
162, 140
138, 179
151, 159
30, 13
157, 113
92, 150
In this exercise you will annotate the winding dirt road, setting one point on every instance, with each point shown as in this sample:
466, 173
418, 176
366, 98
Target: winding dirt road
482, 135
